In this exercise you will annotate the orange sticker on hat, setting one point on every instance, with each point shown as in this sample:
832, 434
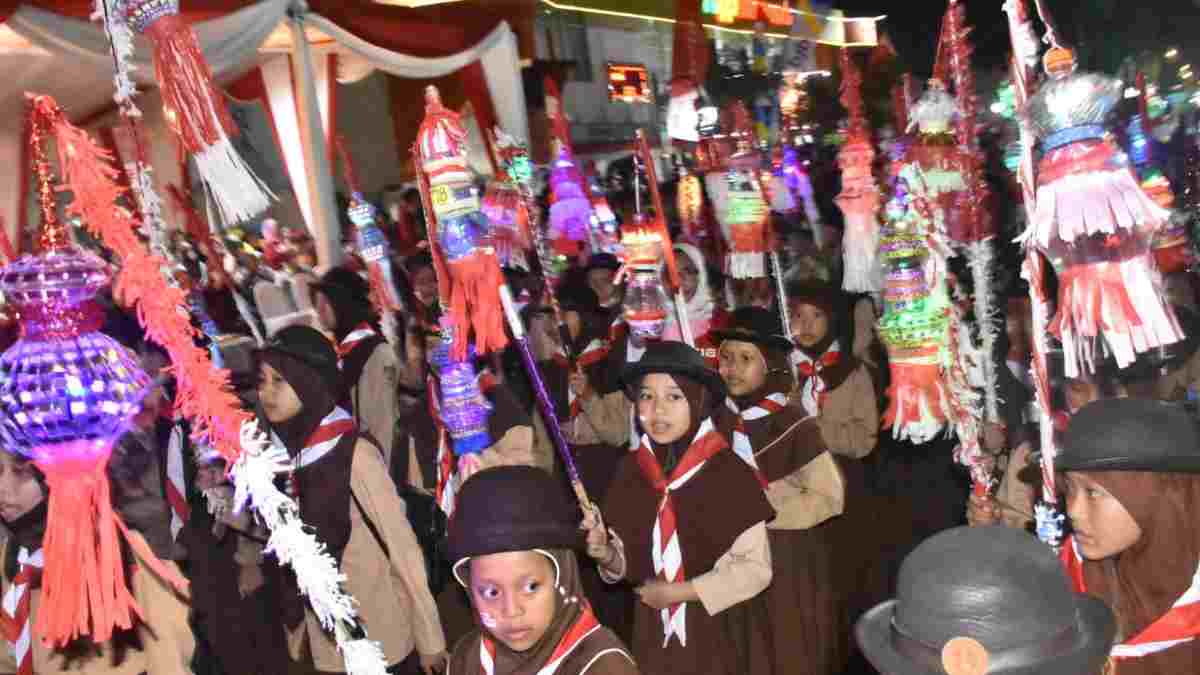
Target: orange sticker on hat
964, 656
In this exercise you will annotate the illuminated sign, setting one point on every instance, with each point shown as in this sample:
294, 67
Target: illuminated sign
629, 82
728, 11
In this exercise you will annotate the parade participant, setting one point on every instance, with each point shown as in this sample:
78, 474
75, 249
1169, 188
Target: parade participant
1130, 470
344, 493
834, 385
368, 364
161, 642
601, 271
423, 280
512, 541
701, 306
802, 614
687, 520
992, 600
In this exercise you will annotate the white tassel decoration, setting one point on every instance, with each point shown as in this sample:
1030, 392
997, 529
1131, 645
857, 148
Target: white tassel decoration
238, 193
980, 259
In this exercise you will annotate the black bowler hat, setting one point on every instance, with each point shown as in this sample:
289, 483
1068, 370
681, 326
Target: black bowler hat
1131, 434
307, 345
757, 325
672, 358
511, 508
991, 595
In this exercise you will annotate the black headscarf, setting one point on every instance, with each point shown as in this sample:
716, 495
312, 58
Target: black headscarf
317, 398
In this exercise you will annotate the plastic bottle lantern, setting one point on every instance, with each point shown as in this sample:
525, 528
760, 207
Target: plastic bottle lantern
645, 305
472, 291
374, 249
570, 210
461, 405
509, 221
1172, 247
1094, 223
743, 214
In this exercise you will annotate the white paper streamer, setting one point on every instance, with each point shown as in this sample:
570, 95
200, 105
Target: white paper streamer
980, 260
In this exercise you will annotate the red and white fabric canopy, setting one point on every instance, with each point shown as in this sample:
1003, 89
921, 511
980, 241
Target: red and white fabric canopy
61, 54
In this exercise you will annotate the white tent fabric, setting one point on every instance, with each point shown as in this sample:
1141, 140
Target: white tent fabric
497, 53
70, 60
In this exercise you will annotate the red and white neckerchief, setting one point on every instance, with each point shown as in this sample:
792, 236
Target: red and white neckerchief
583, 627
740, 440
593, 353
665, 547
813, 388
447, 487
362, 332
15, 622
176, 486
320, 443
1180, 624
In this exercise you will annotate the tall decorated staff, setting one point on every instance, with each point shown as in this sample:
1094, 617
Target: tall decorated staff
67, 392
194, 107
1094, 223
204, 397
859, 199
469, 276
374, 249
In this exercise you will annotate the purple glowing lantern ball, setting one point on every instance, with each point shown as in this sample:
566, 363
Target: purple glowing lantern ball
571, 212
63, 381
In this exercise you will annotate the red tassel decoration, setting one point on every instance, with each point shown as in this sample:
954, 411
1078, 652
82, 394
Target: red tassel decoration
468, 273
196, 110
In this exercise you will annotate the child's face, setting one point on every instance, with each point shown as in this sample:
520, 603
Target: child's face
279, 401
210, 475
515, 596
20, 490
809, 324
742, 367
1103, 528
663, 409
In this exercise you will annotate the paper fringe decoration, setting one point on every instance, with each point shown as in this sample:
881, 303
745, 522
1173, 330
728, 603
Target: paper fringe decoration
980, 259
195, 108
859, 198
204, 395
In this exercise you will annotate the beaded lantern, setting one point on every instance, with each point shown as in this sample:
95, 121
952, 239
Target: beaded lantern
916, 316
469, 276
195, 109
67, 392
1094, 223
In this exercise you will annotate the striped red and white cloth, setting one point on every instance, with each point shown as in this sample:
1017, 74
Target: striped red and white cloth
15, 623
321, 442
362, 332
1179, 625
176, 486
813, 388
665, 549
583, 627
740, 440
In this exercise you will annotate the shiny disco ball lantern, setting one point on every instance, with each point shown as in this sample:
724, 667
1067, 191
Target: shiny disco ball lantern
63, 381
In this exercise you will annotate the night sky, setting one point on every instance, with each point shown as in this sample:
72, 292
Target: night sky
1106, 30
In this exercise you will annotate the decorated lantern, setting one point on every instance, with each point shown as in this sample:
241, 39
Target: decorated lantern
738, 200
67, 392
916, 314
509, 221
1094, 223
859, 198
372, 244
195, 109
469, 275
570, 208
463, 411
645, 306
936, 151
604, 233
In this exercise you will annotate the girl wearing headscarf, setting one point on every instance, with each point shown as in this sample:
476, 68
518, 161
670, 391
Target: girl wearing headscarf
368, 364
512, 542
701, 308
801, 615
687, 520
345, 495
834, 386
1130, 467
160, 642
